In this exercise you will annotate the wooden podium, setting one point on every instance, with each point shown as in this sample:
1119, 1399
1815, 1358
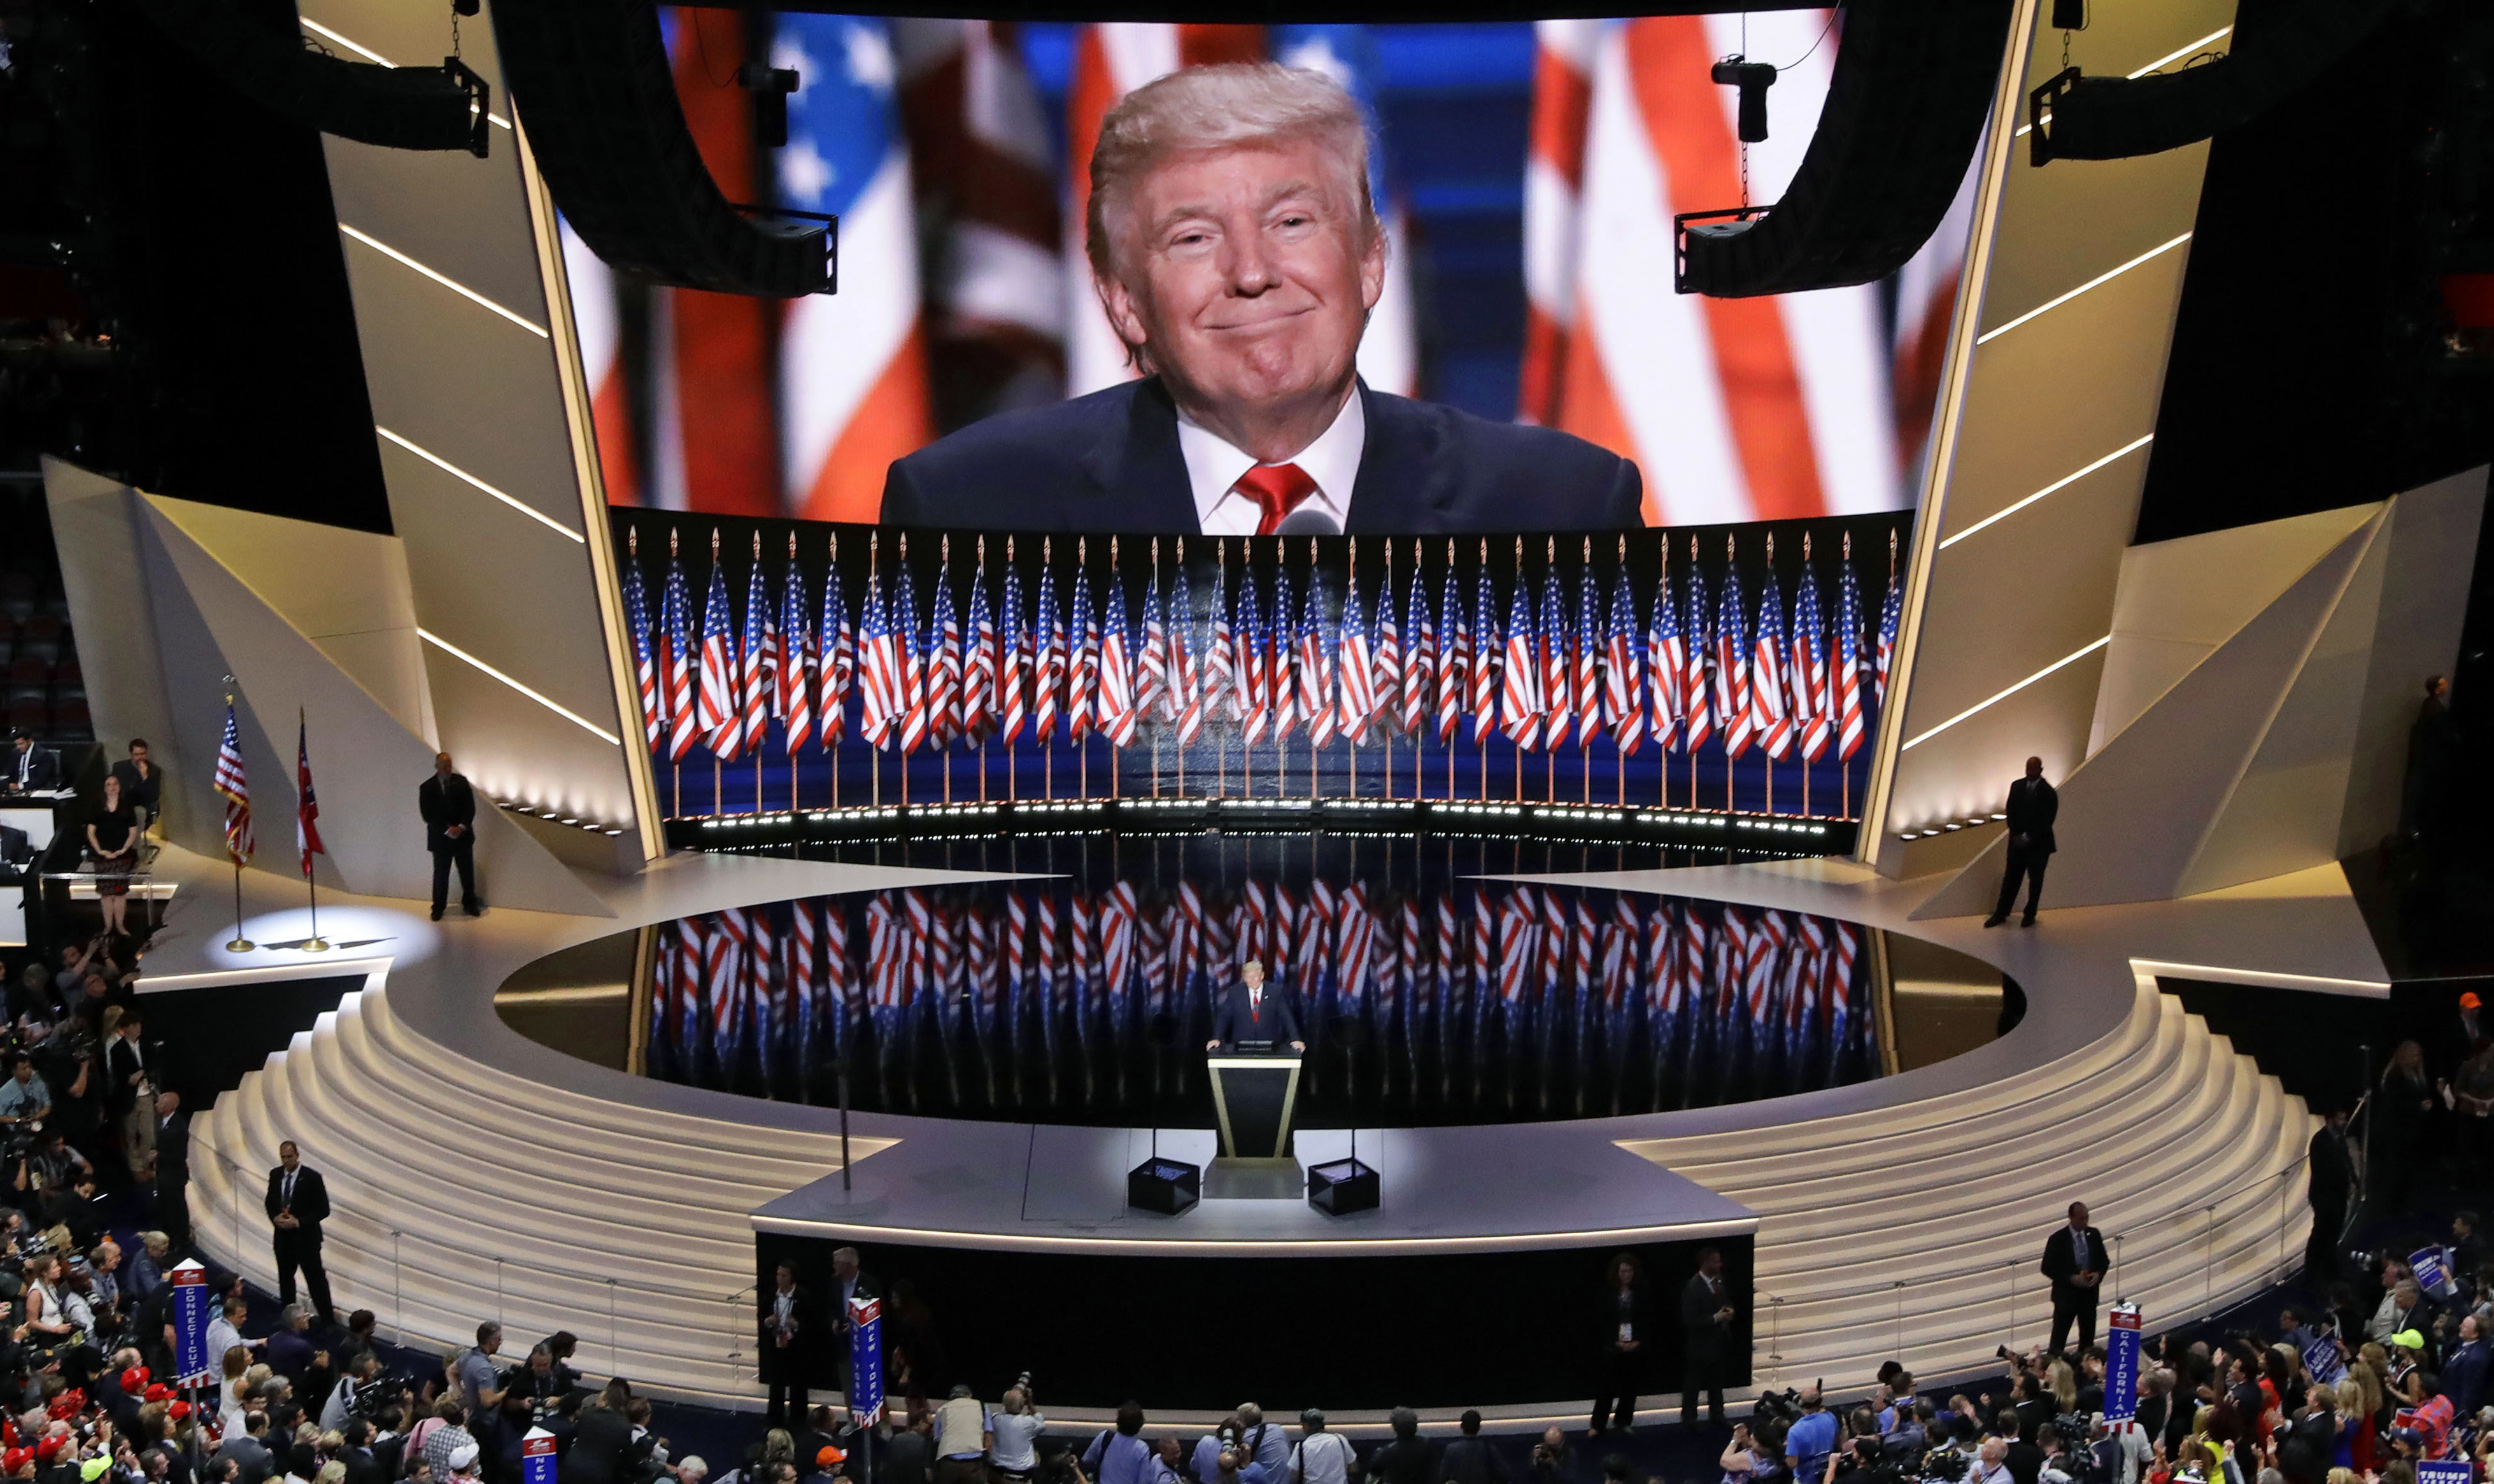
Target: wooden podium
1253, 1094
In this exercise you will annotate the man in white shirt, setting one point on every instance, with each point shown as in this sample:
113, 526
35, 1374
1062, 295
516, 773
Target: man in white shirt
225, 1332
1321, 1457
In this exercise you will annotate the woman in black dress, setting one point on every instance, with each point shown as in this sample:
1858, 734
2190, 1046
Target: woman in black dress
112, 851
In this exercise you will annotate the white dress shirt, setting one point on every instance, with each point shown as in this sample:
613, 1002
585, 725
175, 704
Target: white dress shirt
1213, 466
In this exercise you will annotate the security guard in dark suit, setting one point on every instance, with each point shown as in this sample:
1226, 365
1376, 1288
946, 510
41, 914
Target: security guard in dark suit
449, 808
2031, 809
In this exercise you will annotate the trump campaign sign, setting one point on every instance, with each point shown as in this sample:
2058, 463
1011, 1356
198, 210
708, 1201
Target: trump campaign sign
2122, 1363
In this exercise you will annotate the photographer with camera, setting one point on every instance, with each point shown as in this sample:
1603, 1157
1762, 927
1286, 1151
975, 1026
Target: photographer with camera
1321, 1457
1014, 1428
1119, 1455
1812, 1442
1553, 1461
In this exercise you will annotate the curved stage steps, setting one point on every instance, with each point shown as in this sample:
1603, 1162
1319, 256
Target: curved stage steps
644, 1218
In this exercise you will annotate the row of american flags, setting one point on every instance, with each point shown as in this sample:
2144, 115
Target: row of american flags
1032, 997
1012, 648
958, 165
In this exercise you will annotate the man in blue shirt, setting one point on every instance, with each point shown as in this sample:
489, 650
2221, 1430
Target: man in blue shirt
1812, 1442
1120, 1457
25, 1097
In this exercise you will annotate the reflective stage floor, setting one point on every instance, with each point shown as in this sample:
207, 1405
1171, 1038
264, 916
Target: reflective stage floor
1084, 994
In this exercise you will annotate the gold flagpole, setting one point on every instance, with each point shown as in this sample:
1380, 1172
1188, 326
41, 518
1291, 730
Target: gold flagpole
1311, 600
830, 575
1351, 610
1005, 631
943, 596
1695, 641
1812, 690
1082, 774
311, 889
873, 566
1549, 751
717, 804
1620, 769
796, 658
1047, 749
1175, 702
1116, 592
760, 742
979, 586
1583, 747
1767, 611
908, 645
240, 944
1729, 542
1147, 649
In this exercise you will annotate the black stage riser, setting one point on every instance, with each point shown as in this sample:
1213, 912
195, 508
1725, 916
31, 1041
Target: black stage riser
1345, 1332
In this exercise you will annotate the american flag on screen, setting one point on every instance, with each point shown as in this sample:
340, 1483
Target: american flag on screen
235, 789
1734, 409
852, 385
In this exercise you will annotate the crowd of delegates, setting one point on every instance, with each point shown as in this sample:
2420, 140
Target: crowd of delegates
85, 1367
2360, 1391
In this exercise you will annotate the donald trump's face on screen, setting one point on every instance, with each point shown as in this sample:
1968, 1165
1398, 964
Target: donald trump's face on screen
1246, 273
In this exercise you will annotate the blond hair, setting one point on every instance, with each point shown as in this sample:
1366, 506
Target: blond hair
1227, 105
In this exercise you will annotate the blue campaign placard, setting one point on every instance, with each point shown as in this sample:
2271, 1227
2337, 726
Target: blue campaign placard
537, 1457
2442, 1471
191, 1362
865, 1360
2122, 1363
2432, 1274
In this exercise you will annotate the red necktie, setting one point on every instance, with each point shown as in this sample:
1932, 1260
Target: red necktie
1276, 488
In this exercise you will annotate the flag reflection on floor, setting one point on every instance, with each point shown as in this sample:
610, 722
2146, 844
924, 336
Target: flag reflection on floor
1089, 1001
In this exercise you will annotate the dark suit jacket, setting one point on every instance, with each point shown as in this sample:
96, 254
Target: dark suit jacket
1110, 461
809, 1327
119, 1062
44, 766
1700, 1337
2032, 811
2061, 1262
173, 1157
1232, 1020
596, 1455
444, 803
310, 1200
2333, 1172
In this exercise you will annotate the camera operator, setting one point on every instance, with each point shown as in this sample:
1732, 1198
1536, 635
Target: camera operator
1554, 1462
1012, 1433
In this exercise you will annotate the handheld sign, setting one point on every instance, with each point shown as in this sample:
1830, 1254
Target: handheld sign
193, 1365
865, 1360
2122, 1363
2442, 1471
536, 1457
2433, 1274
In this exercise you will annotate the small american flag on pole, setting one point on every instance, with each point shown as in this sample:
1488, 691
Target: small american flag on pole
236, 791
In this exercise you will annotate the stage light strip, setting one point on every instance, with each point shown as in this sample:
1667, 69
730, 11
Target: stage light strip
2066, 659
369, 55
2217, 35
2374, 988
445, 280
2066, 480
539, 697
449, 467
2098, 281
2192, 49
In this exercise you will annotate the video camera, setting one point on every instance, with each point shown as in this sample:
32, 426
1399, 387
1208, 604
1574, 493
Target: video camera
1783, 1407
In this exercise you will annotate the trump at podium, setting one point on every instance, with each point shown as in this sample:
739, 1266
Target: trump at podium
1251, 1011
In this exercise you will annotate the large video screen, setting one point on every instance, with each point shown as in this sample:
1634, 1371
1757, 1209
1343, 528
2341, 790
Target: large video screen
1178, 279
